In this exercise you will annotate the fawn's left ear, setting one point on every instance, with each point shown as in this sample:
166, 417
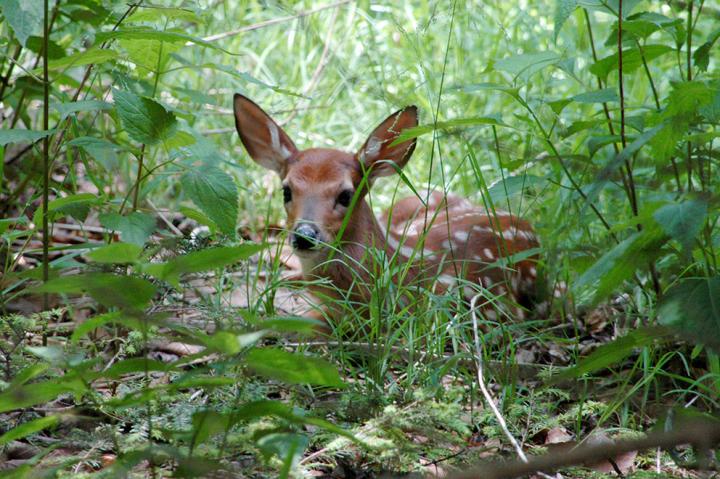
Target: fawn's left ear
378, 146
264, 140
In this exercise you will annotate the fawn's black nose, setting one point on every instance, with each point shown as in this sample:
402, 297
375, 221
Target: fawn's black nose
305, 237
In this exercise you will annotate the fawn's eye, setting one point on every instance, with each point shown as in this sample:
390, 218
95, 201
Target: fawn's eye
344, 198
287, 194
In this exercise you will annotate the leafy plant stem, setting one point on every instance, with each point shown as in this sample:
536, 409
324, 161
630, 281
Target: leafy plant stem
565, 169
138, 181
46, 159
606, 110
689, 78
656, 97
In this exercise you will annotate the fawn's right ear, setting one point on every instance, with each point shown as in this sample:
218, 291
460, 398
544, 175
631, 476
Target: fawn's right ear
264, 140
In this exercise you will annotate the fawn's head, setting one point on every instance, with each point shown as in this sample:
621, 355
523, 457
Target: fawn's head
320, 183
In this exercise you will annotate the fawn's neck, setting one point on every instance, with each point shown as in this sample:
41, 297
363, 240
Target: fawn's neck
362, 233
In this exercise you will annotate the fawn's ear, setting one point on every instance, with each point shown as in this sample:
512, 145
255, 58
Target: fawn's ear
378, 146
264, 140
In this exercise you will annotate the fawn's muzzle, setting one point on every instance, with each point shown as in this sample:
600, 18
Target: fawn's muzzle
305, 237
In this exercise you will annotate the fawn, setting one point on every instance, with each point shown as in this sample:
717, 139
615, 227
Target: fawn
446, 242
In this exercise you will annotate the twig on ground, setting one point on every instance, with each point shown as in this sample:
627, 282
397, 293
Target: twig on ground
701, 433
486, 392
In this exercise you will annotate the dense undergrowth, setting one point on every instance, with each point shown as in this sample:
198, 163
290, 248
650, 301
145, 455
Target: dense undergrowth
148, 325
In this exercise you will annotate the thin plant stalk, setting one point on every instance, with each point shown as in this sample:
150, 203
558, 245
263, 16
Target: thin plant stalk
46, 158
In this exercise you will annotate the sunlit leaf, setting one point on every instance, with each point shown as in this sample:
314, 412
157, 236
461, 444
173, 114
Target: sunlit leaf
118, 253
24, 17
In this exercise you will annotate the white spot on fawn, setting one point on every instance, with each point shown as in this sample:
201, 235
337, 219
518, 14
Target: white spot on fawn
488, 253
461, 236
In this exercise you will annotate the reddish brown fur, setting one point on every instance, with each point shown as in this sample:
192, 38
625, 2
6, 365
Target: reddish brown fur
447, 240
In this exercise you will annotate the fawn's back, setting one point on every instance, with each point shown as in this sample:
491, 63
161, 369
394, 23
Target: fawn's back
444, 242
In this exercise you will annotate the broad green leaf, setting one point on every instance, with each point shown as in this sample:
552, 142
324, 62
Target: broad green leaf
563, 10
613, 352
158, 14
605, 95
682, 221
230, 343
293, 368
134, 228
701, 55
258, 409
93, 56
287, 446
610, 6
692, 307
632, 59
102, 150
142, 33
512, 186
207, 423
67, 109
117, 253
619, 264
410, 133
149, 55
93, 323
127, 292
215, 193
527, 63
20, 135
144, 119
28, 395
24, 17
77, 206
28, 428
687, 97
619, 159
204, 260
711, 111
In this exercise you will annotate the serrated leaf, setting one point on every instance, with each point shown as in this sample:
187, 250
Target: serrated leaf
605, 95
142, 33
116, 253
126, 292
692, 307
93, 56
410, 133
21, 135
682, 221
24, 17
204, 260
293, 368
613, 352
150, 55
67, 109
701, 55
215, 193
37, 393
144, 119
687, 97
527, 63
632, 59
619, 264
77, 206
155, 14
100, 149
563, 10
134, 228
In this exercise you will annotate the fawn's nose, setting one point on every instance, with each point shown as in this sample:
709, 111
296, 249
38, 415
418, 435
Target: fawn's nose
305, 237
